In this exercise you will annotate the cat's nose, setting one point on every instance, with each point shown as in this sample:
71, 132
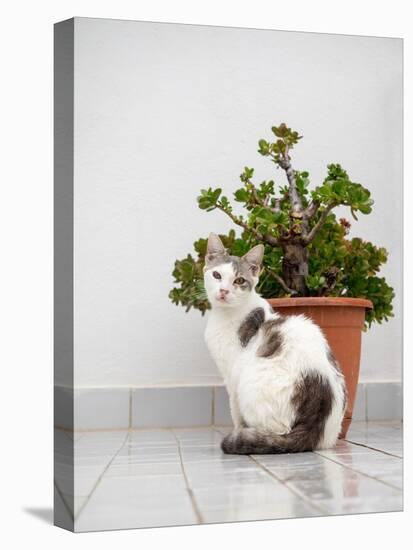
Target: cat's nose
223, 291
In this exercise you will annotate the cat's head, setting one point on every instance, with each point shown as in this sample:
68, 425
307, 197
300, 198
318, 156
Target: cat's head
229, 280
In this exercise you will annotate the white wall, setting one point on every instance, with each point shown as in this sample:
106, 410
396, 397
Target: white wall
162, 110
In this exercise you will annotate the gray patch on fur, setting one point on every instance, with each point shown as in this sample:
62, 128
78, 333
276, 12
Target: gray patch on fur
251, 325
313, 402
241, 269
212, 260
272, 338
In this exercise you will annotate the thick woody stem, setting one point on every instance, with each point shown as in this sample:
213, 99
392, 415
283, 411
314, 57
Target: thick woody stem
307, 239
295, 198
311, 210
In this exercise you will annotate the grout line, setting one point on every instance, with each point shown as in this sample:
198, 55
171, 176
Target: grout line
293, 490
100, 477
357, 471
194, 503
373, 448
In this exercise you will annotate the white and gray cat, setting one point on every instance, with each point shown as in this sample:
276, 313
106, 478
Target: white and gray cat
286, 390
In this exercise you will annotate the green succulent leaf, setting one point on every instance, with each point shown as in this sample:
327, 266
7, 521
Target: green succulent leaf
208, 198
241, 195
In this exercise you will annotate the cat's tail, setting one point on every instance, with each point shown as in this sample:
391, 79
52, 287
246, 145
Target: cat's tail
249, 441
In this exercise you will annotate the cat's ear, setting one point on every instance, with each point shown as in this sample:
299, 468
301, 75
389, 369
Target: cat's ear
254, 259
215, 245
214, 248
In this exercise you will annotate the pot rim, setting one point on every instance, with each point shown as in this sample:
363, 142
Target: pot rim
322, 301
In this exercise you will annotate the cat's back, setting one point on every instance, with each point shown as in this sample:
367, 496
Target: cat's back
301, 331
301, 342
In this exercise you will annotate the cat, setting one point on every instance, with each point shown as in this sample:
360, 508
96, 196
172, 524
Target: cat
286, 390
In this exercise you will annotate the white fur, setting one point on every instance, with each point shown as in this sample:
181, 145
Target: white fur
260, 389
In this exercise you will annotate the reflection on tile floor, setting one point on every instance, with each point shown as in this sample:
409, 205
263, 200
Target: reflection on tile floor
149, 478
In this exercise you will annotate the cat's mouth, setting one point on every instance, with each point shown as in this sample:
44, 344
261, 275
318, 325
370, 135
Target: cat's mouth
222, 299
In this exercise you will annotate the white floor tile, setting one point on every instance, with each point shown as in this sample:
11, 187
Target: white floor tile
124, 503
141, 478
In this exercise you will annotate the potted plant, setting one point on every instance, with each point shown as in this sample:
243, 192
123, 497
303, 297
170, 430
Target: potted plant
310, 265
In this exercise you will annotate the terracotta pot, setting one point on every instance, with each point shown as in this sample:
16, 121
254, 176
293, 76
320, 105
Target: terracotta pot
341, 320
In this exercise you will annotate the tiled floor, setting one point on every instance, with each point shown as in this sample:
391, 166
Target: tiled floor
154, 478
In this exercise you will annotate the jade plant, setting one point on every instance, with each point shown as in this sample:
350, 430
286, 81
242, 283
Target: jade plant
308, 251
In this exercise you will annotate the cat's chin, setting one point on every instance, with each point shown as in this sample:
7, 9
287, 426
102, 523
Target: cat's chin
225, 304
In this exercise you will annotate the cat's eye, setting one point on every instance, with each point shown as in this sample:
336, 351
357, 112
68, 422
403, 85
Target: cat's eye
239, 281
216, 275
